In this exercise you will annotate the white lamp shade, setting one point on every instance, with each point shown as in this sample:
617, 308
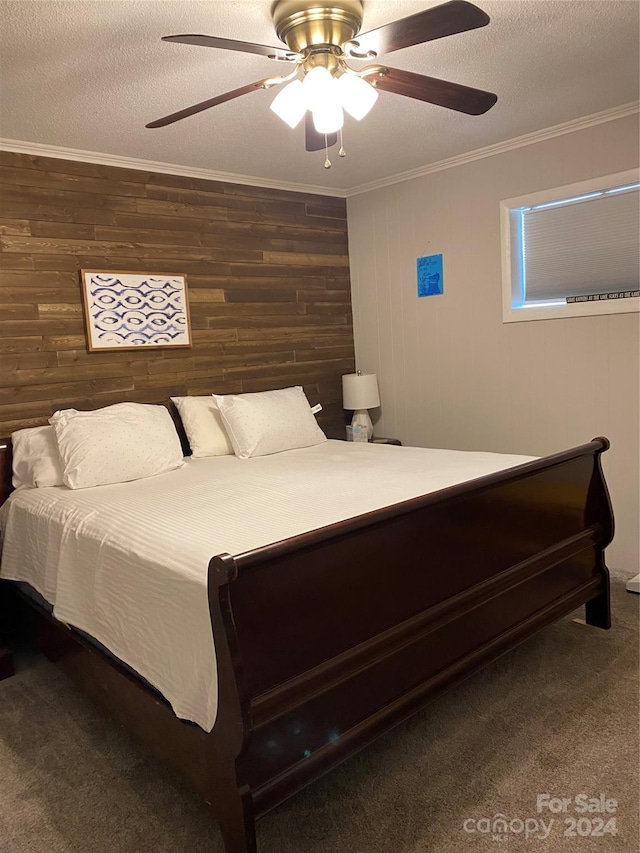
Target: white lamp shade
360, 391
329, 117
318, 87
290, 103
357, 95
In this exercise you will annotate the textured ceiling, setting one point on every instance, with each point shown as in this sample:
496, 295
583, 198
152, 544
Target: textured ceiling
89, 74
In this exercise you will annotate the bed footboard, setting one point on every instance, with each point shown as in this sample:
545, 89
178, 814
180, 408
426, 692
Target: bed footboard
325, 641
334, 637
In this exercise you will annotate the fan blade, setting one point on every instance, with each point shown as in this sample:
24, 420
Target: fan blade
205, 105
458, 16
232, 44
313, 140
453, 96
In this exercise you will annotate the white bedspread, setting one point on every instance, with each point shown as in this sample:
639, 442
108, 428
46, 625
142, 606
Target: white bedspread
127, 563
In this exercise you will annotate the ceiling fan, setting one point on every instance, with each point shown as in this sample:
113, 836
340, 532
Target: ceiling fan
320, 36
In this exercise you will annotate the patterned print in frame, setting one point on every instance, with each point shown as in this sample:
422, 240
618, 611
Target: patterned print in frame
134, 310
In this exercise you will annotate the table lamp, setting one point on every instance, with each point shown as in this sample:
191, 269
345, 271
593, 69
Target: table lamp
360, 392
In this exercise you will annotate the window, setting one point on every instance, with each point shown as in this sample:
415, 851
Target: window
572, 251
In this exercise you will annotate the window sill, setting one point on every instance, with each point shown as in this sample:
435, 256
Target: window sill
572, 309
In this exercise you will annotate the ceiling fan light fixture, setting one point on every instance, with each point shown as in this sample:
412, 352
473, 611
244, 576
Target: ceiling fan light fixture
290, 104
320, 36
357, 96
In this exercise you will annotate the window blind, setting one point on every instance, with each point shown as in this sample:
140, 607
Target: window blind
581, 247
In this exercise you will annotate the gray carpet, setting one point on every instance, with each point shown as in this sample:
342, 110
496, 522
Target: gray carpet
558, 716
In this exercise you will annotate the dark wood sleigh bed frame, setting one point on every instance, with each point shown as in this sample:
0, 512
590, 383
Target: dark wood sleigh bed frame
329, 639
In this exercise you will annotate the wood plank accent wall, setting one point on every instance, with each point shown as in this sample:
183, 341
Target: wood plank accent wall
267, 273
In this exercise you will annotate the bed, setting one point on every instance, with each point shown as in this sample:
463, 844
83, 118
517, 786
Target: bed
328, 625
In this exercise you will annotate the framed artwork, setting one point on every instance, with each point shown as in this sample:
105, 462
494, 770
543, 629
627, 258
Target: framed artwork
134, 310
430, 278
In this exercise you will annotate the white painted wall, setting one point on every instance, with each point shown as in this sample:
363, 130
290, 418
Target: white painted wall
451, 373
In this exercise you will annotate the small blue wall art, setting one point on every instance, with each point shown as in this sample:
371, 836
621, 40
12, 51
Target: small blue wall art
430, 281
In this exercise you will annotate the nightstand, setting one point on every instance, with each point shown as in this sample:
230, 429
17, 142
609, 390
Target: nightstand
377, 440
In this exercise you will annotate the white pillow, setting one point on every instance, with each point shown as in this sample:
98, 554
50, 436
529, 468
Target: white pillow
116, 444
36, 460
269, 421
203, 425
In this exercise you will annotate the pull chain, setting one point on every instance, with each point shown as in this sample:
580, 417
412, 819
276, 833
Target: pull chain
341, 152
327, 162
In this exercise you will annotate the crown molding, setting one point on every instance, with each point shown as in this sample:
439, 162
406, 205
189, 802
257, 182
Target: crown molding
501, 147
40, 150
